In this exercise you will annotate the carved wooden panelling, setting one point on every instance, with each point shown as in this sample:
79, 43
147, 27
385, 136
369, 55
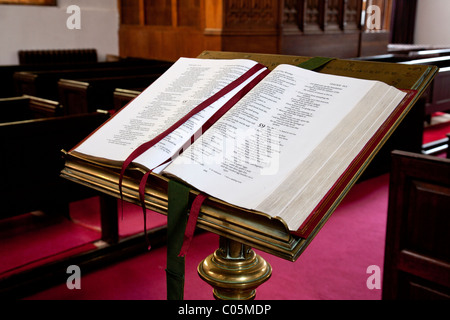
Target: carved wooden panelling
334, 14
322, 15
129, 12
158, 12
251, 14
313, 15
291, 12
352, 15
168, 29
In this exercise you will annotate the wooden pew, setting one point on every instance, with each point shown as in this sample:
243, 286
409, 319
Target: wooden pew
44, 84
436, 98
44, 108
88, 95
436, 147
7, 88
59, 56
448, 145
438, 95
32, 160
124, 96
7, 72
27, 107
389, 57
420, 54
406, 48
14, 109
417, 254
404, 56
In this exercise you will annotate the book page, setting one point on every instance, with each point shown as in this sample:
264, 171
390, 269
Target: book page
180, 89
247, 156
296, 198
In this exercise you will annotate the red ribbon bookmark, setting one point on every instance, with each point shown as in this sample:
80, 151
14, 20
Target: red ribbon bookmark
192, 223
146, 146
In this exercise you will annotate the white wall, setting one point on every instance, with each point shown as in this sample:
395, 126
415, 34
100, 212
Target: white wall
43, 27
40, 27
433, 23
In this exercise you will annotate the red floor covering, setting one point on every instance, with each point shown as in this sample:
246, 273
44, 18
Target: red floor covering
436, 132
333, 267
32, 239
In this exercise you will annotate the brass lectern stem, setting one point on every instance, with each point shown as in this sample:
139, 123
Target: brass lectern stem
234, 271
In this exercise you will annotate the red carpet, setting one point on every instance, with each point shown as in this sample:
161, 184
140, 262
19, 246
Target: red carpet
30, 237
437, 131
131, 223
33, 239
333, 267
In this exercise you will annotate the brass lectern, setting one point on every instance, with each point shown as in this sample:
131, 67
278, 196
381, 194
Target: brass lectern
234, 270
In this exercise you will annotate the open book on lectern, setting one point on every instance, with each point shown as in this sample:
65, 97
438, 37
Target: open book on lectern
286, 145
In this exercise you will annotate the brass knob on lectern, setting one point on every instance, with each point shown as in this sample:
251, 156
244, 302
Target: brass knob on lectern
234, 271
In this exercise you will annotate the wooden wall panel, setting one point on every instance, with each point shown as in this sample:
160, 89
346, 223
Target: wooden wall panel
174, 28
252, 43
189, 13
374, 43
247, 15
163, 43
352, 15
158, 12
130, 12
335, 45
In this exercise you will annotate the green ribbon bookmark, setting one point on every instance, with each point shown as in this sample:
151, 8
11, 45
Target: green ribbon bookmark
178, 196
315, 63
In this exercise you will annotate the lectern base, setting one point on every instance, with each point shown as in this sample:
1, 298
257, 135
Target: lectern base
234, 271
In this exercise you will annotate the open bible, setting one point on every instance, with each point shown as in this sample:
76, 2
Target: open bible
283, 143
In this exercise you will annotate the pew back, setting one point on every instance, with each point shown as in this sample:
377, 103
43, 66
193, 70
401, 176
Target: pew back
124, 96
31, 163
59, 56
88, 95
7, 88
417, 254
14, 109
437, 95
44, 84
27, 107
